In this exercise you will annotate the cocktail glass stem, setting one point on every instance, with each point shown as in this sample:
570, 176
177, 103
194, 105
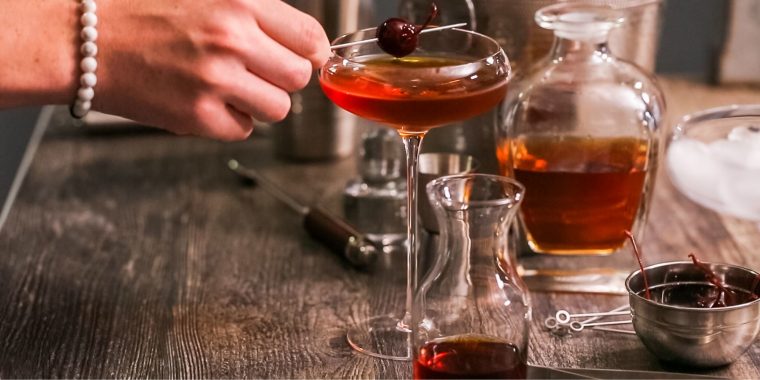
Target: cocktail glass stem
390, 336
412, 145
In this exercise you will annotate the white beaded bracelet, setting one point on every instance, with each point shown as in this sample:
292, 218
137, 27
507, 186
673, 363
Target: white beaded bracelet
89, 64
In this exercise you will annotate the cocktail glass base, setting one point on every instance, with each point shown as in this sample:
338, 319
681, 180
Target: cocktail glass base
384, 337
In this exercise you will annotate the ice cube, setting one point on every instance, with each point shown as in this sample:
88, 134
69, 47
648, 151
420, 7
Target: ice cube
747, 133
694, 172
723, 175
744, 153
741, 194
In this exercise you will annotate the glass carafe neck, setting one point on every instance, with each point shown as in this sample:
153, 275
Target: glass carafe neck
566, 48
475, 212
581, 30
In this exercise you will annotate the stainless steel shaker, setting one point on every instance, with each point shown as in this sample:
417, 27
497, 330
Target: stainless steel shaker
315, 129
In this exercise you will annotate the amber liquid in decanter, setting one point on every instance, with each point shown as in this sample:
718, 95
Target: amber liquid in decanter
582, 192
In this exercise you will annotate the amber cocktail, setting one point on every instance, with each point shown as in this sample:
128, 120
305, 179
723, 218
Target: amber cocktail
419, 92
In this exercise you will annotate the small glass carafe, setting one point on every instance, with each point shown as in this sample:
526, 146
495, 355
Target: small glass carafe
472, 308
582, 132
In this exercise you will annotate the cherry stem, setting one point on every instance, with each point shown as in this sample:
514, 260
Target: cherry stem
712, 277
637, 253
433, 14
754, 287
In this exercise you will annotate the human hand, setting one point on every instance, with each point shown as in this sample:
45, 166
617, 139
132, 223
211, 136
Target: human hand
204, 67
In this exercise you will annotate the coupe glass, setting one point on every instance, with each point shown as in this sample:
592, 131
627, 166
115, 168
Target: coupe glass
453, 75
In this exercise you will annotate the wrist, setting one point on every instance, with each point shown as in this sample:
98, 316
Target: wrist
43, 67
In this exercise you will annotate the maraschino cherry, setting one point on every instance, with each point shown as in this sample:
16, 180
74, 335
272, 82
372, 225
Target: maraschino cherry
399, 37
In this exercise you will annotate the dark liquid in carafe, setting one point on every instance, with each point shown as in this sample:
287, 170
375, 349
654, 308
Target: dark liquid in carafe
469, 357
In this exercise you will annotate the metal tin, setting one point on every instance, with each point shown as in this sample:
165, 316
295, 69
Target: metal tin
695, 337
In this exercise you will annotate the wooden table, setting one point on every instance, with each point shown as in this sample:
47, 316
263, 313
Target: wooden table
140, 255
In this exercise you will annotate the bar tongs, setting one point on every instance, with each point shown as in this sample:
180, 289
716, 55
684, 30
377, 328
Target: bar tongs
333, 232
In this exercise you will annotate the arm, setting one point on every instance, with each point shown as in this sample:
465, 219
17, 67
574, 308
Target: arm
38, 52
192, 67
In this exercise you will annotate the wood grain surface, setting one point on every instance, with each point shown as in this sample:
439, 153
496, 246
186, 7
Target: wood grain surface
139, 255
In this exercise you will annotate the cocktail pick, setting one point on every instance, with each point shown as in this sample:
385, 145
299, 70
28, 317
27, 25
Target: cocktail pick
371, 40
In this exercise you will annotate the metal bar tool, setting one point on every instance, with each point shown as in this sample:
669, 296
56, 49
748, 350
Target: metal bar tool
333, 232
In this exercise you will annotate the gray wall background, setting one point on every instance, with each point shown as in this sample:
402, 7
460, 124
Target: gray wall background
693, 32
692, 36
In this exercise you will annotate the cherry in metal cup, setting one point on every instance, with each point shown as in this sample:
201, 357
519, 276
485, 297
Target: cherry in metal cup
435, 165
691, 336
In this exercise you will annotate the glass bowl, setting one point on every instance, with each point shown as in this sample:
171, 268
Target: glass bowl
714, 160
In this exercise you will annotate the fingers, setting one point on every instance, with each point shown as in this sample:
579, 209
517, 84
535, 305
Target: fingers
258, 98
232, 125
227, 112
248, 97
277, 64
279, 57
216, 120
302, 34
242, 126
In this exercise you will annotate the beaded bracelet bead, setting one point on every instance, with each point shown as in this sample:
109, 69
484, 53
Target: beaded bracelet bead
88, 65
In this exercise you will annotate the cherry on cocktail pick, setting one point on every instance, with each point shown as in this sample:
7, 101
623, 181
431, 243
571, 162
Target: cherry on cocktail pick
399, 37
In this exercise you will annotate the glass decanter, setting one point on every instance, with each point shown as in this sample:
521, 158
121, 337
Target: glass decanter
472, 308
582, 132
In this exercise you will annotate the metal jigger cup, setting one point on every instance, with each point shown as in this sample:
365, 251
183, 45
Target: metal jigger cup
435, 165
695, 337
